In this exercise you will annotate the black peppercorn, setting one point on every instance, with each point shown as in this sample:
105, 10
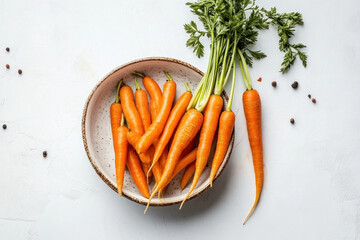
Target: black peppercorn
274, 84
8, 49
4, 126
20, 71
44, 154
295, 85
292, 121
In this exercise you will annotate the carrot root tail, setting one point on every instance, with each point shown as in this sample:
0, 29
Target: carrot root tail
252, 209
187, 196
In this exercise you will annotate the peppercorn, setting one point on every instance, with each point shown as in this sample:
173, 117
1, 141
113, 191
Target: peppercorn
44, 154
8, 49
295, 85
313, 100
274, 84
7, 66
20, 71
4, 126
309, 96
292, 121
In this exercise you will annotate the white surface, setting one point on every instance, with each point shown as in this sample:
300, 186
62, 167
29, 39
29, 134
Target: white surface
312, 180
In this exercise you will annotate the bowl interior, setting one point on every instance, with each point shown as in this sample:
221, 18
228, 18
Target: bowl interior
97, 133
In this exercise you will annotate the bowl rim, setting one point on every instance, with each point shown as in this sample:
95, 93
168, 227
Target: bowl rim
83, 127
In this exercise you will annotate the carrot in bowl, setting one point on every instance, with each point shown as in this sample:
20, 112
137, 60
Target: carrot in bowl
158, 124
188, 173
130, 111
175, 116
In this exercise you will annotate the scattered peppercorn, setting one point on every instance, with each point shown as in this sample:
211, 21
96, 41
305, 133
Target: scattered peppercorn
7, 66
20, 71
8, 49
274, 83
295, 85
309, 96
44, 154
4, 126
259, 79
292, 121
313, 100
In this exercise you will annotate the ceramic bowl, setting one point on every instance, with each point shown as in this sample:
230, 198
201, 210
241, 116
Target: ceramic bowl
96, 130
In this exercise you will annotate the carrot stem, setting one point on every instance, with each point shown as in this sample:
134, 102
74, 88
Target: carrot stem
245, 71
137, 84
232, 88
117, 99
139, 74
188, 89
122, 122
168, 76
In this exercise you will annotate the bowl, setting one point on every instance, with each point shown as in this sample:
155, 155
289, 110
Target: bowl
96, 130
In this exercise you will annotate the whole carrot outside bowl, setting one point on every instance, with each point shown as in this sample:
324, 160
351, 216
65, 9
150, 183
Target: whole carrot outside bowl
97, 134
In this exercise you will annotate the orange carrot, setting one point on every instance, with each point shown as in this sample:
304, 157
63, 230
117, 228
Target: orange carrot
252, 109
121, 150
142, 105
182, 163
116, 112
137, 173
119, 140
189, 125
163, 157
146, 168
189, 171
158, 124
131, 113
153, 109
153, 89
226, 126
211, 118
189, 147
133, 138
175, 116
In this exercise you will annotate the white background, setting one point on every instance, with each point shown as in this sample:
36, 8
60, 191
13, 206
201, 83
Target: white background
312, 180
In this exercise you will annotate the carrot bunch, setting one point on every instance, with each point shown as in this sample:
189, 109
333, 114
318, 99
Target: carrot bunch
163, 138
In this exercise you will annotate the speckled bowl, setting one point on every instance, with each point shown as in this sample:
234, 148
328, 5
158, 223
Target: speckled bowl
96, 131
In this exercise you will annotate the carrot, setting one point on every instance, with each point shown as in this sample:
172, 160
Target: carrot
211, 118
137, 173
175, 116
152, 88
164, 156
189, 147
156, 170
252, 109
142, 105
153, 109
116, 111
131, 113
158, 124
146, 168
189, 125
133, 138
226, 126
189, 171
183, 162
121, 150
